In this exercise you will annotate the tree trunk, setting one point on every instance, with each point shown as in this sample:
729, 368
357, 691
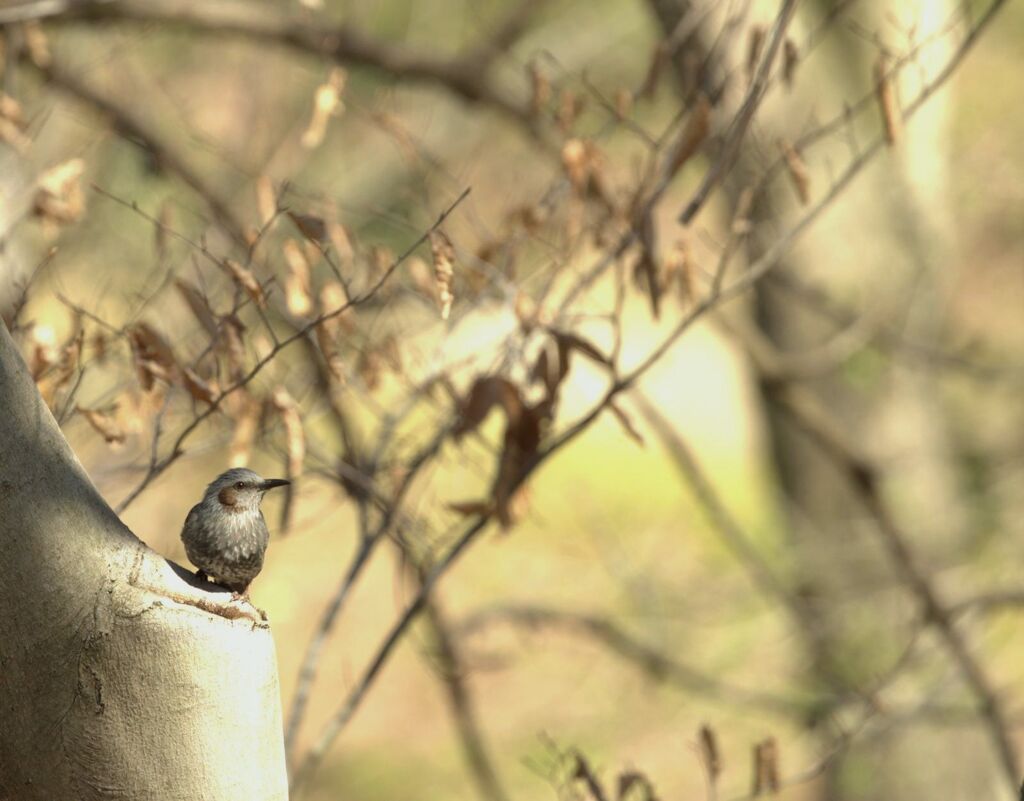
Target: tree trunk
118, 678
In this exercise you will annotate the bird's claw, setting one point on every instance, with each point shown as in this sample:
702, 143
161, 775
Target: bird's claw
244, 596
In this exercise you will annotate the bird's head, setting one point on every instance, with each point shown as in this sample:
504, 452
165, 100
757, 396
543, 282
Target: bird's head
240, 489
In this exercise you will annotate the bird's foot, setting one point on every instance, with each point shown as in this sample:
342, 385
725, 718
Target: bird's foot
244, 596
201, 575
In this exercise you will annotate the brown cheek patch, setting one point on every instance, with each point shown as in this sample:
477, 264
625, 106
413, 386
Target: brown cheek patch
228, 496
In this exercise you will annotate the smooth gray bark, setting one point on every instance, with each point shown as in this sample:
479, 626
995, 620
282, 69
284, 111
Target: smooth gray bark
118, 678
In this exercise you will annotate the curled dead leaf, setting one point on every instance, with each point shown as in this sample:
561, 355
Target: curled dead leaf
626, 422
153, 357
266, 200
443, 253
887, 101
198, 387
297, 284
693, 135
486, 393
659, 60
244, 278
286, 406
576, 164
198, 305
471, 508
36, 43
326, 104
710, 752
540, 89
310, 226
521, 443
790, 60
678, 269
162, 230
755, 44
342, 241
797, 171
104, 424
13, 126
247, 414
766, 767
44, 352
231, 345
59, 198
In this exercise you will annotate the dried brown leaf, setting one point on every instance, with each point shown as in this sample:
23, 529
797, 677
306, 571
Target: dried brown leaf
790, 60
286, 406
162, 230
335, 364
310, 226
797, 171
297, 284
59, 198
570, 106
332, 298
153, 357
104, 424
645, 275
522, 441
634, 778
244, 278
369, 367
576, 163
326, 104
627, 423
266, 200
443, 253
231, 344
574, 342
342, 241
247, 416
199, 388
678, 268
710, 753
540, 89
36, 43
755, 44
198, 305
44, 350
551, 367
766, 767
526, 312
693, 135
623, 103
486, 393
10, 109
471, 508
887, 101
13, 126
131, 411
659, 60
54, 365
400, 134
741, 225
99, 347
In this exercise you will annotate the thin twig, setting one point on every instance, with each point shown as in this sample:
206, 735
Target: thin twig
176, 449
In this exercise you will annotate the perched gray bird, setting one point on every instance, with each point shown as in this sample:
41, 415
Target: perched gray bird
225, 534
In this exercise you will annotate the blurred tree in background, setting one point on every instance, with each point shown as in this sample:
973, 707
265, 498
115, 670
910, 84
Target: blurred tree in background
648, 372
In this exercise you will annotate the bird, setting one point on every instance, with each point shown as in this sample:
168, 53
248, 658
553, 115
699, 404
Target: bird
225, 535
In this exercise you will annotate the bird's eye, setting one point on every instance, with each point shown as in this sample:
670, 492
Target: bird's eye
240, 485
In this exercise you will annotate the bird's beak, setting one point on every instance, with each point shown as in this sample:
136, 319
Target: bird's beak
270, 483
